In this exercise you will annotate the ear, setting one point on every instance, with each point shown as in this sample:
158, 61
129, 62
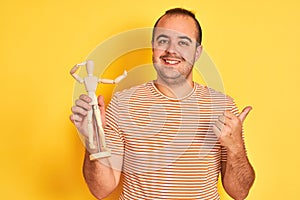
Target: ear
152, 45
198, 52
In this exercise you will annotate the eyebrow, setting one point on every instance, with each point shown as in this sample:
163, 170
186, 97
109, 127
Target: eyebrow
186, 38
180, 37
162, 35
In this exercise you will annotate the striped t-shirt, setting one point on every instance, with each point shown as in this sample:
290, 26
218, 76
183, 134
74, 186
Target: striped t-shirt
168, 147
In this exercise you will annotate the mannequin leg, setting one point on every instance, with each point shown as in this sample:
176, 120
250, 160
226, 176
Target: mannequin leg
99, 126
101, 137
91, 130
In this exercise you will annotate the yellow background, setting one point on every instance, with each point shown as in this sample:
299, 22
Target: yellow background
254, 44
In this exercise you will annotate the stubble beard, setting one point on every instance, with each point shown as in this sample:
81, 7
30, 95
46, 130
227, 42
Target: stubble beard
171, 76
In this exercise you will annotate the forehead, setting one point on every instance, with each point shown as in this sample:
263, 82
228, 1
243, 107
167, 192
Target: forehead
177, 25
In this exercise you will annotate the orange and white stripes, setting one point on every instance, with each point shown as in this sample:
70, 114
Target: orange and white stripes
168, 148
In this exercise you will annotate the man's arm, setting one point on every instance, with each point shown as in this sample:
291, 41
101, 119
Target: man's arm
237, 172
103, 175
100, 177
237, 175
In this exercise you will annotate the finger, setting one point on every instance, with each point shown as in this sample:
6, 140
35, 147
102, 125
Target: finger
222, 119
71, 117
83, 104
229, 114
216, 130
219, 125
227, 121
101, 101
102, 108
75, 118
231, 119
79, 111
85, 98
244, 113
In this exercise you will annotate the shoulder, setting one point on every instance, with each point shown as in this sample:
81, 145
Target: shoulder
216, 98
138, 92
212, 93
132, 90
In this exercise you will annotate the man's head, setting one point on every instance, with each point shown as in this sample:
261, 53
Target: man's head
182, 12
176, 45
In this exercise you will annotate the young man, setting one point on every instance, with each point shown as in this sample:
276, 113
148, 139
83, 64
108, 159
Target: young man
170, 137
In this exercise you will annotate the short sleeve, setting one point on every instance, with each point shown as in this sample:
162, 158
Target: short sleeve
113, 135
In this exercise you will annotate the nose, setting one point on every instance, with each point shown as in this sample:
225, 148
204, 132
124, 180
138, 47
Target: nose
171, 48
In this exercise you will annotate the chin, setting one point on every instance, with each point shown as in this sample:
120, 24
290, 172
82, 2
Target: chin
172, 79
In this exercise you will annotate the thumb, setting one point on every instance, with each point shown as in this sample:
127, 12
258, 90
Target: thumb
100, 100
101, 104
244, 113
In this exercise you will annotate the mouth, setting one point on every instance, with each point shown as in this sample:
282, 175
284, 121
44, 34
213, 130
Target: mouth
171, 60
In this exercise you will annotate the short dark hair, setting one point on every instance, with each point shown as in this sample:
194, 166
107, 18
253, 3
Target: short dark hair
184, 12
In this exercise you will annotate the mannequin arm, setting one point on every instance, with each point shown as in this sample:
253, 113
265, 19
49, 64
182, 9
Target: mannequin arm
74, 70
117, 80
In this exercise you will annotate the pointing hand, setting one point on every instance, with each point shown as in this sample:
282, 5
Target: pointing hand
228, 129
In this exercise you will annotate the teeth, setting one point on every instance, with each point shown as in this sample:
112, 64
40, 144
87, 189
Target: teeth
172, 62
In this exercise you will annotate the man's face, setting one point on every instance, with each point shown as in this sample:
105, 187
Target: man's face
175, 48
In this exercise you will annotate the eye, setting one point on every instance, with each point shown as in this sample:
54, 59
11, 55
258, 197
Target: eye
163, 41
183, 43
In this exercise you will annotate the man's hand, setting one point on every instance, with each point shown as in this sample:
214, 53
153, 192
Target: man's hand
228, 129
80, 112
237, 172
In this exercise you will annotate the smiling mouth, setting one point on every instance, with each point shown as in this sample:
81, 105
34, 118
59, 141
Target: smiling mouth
171, 61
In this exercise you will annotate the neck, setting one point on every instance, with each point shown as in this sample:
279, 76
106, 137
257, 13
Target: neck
177, 91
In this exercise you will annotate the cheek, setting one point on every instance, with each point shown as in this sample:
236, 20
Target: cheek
156, 53
188, 55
